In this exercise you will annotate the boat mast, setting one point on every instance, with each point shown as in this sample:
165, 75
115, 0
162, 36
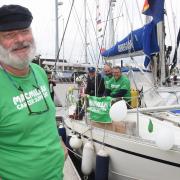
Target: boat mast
154, 58
111, 25
56, 29
163, 71
162, 60
85, 31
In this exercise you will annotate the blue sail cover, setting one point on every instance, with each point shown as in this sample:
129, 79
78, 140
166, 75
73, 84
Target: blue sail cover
144, 39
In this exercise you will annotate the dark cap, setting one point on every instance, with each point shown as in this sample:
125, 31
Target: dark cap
14, 17
91, 69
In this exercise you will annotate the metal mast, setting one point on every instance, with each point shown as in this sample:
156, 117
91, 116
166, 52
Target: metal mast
111, 23
85, 31
56, 29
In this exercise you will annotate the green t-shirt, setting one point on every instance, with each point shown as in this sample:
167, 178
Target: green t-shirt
106, 81
122, 83
30, 147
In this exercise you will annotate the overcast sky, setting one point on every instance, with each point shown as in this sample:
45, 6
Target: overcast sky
43, 24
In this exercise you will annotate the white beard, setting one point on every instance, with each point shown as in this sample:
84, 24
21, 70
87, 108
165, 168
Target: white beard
10, 59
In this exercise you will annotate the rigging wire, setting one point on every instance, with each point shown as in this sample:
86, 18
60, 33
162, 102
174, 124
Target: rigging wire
79, 28
57, 57
175, 52
168, 22
131, 25
105, 29
75, 37
93, 30
90, 41
174, 23
139, 11
119, 15
82, 34
176, 39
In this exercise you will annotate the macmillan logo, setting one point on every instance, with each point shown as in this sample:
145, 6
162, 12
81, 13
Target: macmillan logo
125, 46
32, 97
98, 106
115, 86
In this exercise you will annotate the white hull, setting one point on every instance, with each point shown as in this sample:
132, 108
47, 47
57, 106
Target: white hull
131, 157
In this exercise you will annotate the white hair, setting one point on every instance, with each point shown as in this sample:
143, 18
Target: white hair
10, 59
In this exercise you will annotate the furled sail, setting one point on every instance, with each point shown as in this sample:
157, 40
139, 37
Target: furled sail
143, 39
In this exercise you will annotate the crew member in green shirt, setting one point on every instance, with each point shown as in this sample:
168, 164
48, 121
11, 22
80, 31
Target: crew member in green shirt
30, 147
119, 86
107, 74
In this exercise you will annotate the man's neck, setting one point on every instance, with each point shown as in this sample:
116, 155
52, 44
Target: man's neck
14, 71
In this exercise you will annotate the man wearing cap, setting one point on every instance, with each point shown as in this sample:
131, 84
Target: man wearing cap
30, 148
95, 83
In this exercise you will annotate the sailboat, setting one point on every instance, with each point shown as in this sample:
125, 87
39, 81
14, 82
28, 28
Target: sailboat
142, 143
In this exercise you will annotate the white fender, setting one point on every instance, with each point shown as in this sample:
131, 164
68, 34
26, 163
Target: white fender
87, 158
75, 142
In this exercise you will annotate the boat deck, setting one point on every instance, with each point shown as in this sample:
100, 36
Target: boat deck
60, 91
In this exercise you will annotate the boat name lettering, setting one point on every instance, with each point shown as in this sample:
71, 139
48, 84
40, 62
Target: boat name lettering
125, 46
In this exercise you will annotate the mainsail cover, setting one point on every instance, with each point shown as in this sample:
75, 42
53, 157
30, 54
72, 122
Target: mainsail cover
143, 39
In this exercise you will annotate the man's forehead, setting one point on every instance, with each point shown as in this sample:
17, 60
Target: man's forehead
116, 70
15, 31
107, 67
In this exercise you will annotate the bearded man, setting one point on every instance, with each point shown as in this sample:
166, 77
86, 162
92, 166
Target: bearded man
30, 147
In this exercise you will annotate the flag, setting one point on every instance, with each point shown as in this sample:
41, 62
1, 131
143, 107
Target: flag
154, 8
102, 50
99, 109
146, 8
98, 20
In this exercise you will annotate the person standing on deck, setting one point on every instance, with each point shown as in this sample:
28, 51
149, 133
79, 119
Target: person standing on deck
95, 83
119, 86
107, 75
52, 83
30, 148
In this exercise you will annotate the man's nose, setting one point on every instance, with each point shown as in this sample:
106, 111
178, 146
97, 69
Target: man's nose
19, 37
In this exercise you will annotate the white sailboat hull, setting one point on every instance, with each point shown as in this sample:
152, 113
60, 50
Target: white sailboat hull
131, 157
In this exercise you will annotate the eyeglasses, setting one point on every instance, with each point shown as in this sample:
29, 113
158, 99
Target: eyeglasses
25, 99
